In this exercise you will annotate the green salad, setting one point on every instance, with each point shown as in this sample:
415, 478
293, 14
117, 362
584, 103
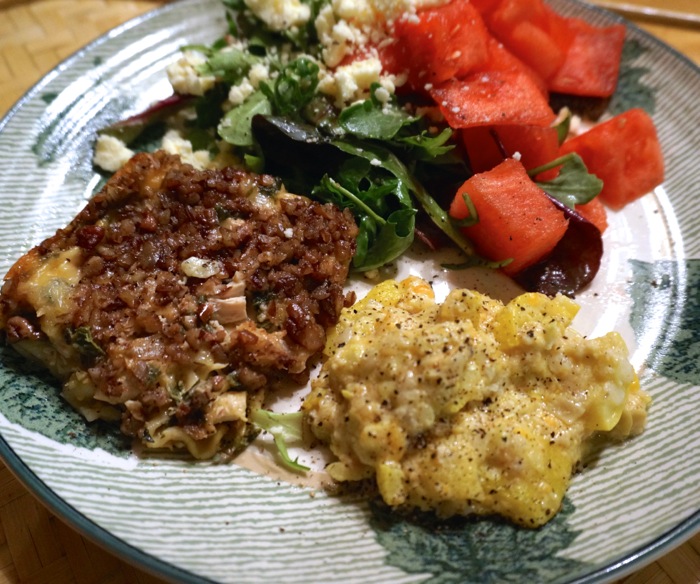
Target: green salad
293, 90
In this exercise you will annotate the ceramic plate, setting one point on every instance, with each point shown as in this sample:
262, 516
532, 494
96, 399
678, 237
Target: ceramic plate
200, 522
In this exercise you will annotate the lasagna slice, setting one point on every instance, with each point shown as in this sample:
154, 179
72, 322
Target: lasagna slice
177, 297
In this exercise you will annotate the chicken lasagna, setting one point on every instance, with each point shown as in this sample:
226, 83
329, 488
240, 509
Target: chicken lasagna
178, 296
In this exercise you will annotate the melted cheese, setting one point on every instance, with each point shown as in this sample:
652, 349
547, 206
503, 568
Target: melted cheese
47, 286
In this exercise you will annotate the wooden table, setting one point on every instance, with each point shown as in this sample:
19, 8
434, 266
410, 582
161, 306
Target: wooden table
35, 546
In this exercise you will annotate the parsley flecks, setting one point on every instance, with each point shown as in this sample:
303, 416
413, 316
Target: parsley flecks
81, 339
294, 87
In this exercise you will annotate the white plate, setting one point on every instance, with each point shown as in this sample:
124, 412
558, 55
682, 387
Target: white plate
198, 522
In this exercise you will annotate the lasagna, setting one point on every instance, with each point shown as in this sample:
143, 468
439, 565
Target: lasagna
178, 297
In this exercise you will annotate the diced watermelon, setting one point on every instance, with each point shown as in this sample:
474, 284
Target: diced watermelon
594, 211
485, 6
509, 13
493, 97
592, 64
516, 219
528, 29
536, 145
441, 43
625, 153
501, 59
481, 147
558, 28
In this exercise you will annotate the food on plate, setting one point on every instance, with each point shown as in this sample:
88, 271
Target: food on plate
516, 218
194, 282
624, 152
469, 406
177, 298
389, 108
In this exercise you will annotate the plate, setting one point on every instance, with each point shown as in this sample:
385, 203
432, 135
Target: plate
203, 522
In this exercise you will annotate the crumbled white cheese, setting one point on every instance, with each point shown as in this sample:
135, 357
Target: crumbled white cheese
392, 9
174, 143
336, 36
239, 93
383, 94
350, 83
258, 72
280, 14
360, 11
111, 153
184, 77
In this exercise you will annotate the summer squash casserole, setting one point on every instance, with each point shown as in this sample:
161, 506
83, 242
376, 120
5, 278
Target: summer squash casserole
471, 406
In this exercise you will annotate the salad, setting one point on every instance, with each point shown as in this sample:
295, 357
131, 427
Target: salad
422, 128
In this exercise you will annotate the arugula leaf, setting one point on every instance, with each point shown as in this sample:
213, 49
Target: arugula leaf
284, 428
427, 146
334, 192
379, 240
574, 185
408, 184
371, 119
393, 238
236, 128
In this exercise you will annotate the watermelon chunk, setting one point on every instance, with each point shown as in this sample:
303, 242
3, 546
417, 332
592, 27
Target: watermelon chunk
625, 153
516, 219
536, 146
592, 64
493, 97
533, 33
501, 59
441, 43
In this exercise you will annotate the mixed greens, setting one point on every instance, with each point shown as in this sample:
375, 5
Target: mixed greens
380, 157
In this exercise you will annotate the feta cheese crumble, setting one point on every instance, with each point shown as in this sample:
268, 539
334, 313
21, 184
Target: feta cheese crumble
185, 78
111, 153
280, 14
174, 143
